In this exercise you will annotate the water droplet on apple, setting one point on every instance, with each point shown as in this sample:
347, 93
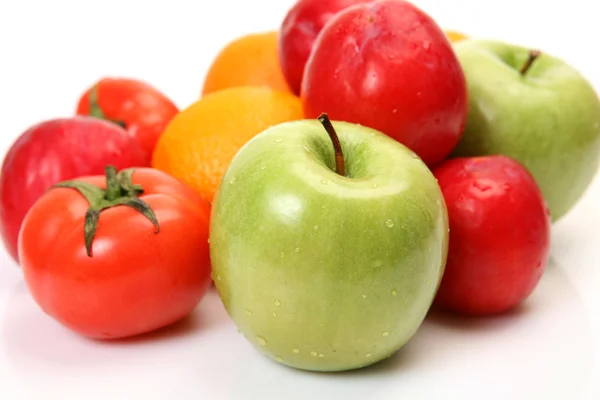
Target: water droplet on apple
427, 282
321, 355
313, 353
507, 187
386, 333
274, 314
481, 186
364, 296
261, 340
419, 94
426, 44
374, 186
218, 277
316, 227
297, 250
282, 254
394, 292
324, 181
306, 149
278, 359
394, 111
232, 181
277, 303
263, 167
248, 312
296, 351
278, 140
389, 223
368, 355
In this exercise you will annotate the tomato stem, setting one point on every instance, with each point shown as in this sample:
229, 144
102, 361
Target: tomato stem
533, 55
113, 187
120, 191
96, 110
340, 166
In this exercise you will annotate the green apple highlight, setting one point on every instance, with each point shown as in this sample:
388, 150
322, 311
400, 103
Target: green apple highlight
327, 263
540, 111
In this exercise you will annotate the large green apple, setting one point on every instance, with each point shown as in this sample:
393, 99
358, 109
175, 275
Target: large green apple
546, 116
321, 270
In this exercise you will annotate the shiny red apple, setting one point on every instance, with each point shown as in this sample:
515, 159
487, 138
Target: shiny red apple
388, 65
499, 234
298, 32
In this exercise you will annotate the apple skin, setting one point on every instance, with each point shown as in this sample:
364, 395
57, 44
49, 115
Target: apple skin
499, 234
298, 32
324, 272
389, 66
548, 120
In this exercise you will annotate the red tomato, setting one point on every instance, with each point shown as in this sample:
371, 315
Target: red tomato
140, 108
53, 151
499, 234
146, 266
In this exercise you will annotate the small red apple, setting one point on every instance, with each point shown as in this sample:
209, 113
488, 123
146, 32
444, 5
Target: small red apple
388, 65
499, 234
298, 32
56, 150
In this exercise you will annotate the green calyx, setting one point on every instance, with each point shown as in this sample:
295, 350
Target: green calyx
120, 191
96, 110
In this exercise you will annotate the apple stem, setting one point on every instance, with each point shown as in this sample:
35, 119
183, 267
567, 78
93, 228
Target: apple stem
533, 55
340, 166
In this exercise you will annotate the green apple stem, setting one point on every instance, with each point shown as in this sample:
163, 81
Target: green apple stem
533, 55
340, 166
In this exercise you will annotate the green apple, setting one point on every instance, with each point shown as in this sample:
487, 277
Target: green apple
327, 257
536, 109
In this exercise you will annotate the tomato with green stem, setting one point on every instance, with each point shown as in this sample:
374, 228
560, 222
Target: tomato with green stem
140, 108
117, 256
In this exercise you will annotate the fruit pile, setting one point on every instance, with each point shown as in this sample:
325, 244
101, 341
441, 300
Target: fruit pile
336, 180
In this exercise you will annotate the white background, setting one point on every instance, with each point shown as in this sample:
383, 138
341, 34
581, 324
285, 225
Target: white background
51, 50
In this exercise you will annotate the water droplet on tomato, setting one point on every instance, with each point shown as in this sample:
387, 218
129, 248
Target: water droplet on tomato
278, 359
278, 140
386, 333
321, 355
368, 355
296, 351
248, 312
324, 181
316, 228
277, 303
313, 353
394, 293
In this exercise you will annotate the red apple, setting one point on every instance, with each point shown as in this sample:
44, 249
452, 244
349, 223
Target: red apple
499, 234
388, 65
53, 151
298, 32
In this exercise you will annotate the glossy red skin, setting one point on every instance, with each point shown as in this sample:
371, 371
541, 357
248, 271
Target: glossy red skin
499, 235
388, 65
298, 32
54, 151
143, 109
136, 280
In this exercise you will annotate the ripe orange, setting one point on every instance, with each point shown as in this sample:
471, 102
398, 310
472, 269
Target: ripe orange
250, 60
455, 36
200, 142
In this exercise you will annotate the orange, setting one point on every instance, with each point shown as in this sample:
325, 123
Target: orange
455, 36
200, 142
250, 60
